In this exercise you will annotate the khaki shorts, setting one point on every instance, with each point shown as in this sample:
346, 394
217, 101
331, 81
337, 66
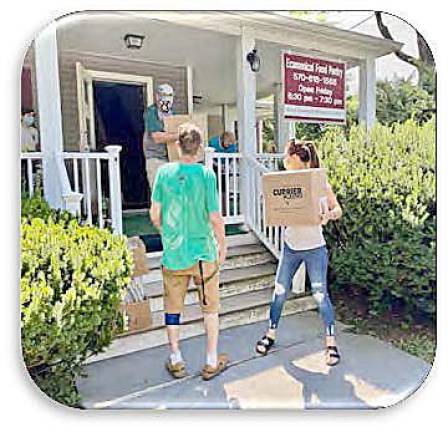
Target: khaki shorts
175, 286
152, 165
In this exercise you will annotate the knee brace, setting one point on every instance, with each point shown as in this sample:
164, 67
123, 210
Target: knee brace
172, 319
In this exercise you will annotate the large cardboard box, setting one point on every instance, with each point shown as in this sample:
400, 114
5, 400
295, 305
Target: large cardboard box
172, 124
294, 197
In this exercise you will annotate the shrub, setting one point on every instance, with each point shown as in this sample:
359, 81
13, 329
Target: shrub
385, 241
37, 207
72, 283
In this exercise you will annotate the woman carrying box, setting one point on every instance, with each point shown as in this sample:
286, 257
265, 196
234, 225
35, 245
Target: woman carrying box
304, 243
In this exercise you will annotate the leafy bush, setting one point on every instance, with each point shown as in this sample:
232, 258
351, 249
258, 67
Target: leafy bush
385, 241
72, 283
37, 207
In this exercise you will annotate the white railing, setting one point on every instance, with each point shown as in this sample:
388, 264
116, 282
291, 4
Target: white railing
93, 178
227, 167
31, 171
97, 177
271, 236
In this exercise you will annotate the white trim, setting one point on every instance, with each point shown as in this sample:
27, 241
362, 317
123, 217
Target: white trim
318, 112
190, 90
99, 75
87, 113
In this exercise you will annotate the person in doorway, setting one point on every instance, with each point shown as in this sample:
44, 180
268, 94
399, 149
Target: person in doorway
193, 239
225, 143
155, 139
304, 243
29, 137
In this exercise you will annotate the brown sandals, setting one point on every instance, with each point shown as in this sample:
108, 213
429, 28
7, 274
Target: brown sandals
209, 372
176, 370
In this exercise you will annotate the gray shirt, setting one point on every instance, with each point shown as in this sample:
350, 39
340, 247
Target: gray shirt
153, 123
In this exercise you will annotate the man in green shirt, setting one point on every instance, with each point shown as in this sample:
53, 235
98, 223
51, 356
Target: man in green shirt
185, 209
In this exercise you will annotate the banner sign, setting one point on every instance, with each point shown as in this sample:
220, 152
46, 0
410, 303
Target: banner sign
314, 89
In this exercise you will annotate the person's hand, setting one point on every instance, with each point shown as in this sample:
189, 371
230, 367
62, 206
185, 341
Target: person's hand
222, 252
324, 218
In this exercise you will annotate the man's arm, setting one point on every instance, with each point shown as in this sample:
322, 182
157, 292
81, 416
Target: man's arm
217, 224
164, 137
154, 213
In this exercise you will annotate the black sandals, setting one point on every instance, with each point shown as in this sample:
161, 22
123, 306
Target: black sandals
333, 353
264, 345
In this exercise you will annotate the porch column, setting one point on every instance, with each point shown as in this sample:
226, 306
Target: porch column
283, 129
367, 92
226, 121
246, 95
247, 123
49, 108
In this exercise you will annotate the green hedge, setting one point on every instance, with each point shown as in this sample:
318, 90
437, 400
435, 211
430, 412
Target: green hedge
37, 207
385, 242
72, 282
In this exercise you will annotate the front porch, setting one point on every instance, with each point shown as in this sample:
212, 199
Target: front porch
82, 174
86, 175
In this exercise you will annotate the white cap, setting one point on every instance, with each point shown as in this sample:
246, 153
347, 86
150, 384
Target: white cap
165, 90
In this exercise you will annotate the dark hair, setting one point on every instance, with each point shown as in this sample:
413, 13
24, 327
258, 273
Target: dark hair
306, 152
190, 139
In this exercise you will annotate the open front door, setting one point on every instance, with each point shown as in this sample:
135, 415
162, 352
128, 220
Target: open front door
86, 119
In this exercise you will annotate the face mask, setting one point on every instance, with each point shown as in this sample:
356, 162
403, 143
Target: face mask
28, 120
165, 104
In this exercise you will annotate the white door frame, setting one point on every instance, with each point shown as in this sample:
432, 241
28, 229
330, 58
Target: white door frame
86, 112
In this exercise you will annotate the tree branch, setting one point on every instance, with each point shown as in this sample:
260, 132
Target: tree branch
384, 30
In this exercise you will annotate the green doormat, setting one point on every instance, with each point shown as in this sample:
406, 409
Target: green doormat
139, 224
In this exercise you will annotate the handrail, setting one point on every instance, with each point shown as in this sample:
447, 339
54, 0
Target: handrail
31, 155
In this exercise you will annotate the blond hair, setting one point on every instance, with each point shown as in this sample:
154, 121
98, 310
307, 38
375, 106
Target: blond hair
190, 139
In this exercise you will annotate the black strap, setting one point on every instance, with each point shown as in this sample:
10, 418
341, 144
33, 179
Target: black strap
335, 352
201, 271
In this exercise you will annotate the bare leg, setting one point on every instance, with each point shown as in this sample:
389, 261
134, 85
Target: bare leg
173, 337
211, 324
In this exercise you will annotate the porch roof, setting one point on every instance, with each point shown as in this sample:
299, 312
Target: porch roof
206, 41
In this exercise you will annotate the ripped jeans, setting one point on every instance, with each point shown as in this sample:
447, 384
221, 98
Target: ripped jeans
316, 261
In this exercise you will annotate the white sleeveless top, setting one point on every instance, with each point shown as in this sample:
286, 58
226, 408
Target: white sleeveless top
304, 237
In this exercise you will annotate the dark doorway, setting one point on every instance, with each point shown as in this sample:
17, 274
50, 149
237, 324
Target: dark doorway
119, 112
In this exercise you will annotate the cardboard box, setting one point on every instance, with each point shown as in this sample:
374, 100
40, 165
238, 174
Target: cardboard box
172, 124
140, 265
294, 197
138, 315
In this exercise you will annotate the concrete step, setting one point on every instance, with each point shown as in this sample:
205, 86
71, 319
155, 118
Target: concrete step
235, 311
235, 261
232, 282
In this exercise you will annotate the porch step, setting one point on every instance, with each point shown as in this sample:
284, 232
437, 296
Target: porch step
232, 283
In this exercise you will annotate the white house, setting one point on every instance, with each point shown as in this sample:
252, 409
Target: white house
90, 150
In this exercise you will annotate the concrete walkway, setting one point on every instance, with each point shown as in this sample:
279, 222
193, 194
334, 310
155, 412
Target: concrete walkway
294, 375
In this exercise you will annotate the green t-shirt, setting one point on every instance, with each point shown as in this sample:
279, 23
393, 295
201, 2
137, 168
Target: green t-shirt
187, 194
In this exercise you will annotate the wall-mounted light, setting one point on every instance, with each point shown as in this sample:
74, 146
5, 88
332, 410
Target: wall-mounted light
133, 41
254, 60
